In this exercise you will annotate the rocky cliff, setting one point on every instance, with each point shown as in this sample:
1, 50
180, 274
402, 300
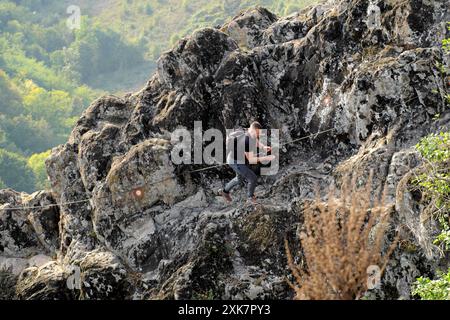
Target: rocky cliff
369, 72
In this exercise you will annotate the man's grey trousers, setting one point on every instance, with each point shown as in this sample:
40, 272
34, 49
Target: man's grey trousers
243, 172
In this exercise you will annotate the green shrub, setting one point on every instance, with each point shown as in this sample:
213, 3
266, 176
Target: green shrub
446, 42
433, 180
435, 147
37, 163
15, 173
443, 239
438, 289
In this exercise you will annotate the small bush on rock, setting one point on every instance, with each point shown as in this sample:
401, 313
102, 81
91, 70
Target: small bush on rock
432, 179
438, 289
343, 237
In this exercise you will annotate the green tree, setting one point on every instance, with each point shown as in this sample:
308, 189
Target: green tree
29, 135
10, 11
10, 98
37, 163
97, 50
53, 106
82, 97
15, 173
15, 62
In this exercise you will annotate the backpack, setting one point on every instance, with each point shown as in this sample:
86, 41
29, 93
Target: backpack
233, 139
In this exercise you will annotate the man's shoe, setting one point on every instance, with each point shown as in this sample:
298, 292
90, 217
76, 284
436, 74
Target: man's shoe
227, 197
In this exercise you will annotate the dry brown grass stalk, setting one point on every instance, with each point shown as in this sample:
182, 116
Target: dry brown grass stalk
343, 237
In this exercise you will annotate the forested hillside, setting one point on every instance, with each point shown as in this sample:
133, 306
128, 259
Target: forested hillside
50, 73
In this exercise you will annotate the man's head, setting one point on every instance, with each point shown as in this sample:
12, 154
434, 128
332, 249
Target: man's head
255, 130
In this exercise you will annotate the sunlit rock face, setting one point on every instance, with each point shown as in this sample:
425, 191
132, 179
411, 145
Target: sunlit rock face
135, 225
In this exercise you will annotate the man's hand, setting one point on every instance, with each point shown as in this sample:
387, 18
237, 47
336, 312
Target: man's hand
264, 147
266, 159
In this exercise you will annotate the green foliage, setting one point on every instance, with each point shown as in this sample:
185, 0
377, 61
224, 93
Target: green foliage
438, 289
18, 64
97, 50
15, 173
446, 42
52, 106
9, 11
434, 181
434, 178
26, 135
443, 239
208, 295
288, 7
445, 72
148, 9
10, 98
37, 163
435, 147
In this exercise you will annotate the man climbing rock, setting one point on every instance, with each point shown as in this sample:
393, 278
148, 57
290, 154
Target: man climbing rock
242, 150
